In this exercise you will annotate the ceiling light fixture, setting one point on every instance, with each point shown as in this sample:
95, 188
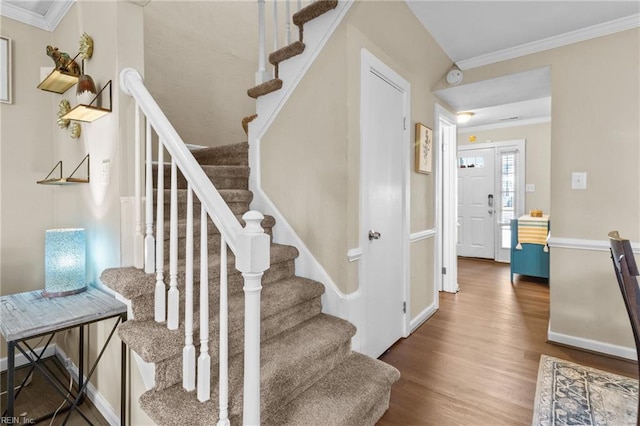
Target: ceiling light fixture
464, 117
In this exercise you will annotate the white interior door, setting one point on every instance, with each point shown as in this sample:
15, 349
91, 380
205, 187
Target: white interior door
476, 203
384, 199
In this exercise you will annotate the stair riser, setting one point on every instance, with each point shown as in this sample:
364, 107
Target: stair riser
236, 155
295, 384
143, 306
169, 371
221, 179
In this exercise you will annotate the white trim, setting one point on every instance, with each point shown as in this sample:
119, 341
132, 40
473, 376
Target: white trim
503, 125
370, 64
423, 316
98, 400
580, 244
599, 30
520, 143
354, 254
592, 345
446, 203
21, 360
422, 235
48, 22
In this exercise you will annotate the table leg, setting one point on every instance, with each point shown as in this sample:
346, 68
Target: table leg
11, 371
81, 363
123, 382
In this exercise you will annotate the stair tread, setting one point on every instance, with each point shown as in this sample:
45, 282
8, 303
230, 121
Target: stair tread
154, 342
286, 52
265, 88
312, 11
287, 361
342, 397
131, 282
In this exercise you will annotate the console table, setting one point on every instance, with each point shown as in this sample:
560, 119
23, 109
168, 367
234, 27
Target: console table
24, 316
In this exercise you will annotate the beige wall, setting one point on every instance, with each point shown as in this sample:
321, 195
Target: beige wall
31, 145
311, 154
596, 129
201, 57
538, 163
26, 156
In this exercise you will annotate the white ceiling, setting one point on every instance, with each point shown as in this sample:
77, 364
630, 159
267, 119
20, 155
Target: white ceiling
472, 33
477, 33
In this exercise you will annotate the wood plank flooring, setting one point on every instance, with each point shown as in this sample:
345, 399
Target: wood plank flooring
475, 362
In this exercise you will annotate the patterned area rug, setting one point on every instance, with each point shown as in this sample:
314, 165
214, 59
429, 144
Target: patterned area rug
572, 394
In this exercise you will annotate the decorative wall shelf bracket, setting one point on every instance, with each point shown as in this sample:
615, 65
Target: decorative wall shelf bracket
89, 113
65, 180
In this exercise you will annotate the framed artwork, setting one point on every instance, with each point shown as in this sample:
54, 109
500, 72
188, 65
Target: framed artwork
424, 148
5, 70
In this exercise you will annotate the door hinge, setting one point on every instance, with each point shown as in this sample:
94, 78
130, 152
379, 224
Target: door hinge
404, 123
444, 271
404, 307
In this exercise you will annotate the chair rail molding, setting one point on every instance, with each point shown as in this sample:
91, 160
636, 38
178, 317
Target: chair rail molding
582, 244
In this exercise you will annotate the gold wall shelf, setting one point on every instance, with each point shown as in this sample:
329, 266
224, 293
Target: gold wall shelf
89, 113
58, 81
65, 180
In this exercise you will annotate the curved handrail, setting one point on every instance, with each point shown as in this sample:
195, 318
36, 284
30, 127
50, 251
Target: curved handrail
132, 84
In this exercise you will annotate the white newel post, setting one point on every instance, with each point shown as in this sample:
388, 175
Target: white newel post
252, 259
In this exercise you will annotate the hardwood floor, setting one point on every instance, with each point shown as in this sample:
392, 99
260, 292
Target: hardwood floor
475, 362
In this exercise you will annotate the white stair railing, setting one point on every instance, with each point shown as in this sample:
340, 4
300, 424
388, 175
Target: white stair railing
250, 245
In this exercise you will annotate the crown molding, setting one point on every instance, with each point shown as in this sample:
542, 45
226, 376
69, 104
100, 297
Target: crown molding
600, 30
513, 123
48, 22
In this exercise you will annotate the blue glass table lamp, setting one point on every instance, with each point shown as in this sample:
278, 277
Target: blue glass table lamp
64, 262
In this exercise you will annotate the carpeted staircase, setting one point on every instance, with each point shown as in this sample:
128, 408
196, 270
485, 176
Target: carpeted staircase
309, 375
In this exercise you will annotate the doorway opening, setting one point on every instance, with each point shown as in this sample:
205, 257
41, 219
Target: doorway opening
491, 192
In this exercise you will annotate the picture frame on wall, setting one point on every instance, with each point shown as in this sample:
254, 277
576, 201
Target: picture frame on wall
424, 148
5, 70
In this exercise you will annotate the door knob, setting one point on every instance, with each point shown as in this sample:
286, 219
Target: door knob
374, 235
490, 211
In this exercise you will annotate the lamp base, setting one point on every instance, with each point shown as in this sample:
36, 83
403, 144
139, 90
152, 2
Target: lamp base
51, 295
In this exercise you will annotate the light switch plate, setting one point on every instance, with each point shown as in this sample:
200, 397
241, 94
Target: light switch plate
579, 180
530, 187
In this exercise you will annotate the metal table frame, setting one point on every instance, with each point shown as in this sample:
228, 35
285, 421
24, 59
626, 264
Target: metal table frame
73, 400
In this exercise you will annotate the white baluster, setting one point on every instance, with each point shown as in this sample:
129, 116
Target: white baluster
299, 4
275, 25
149, 242
287, 11
173, 302
161, 290
138, 248
223, 380
189, 351
262, 75
252, 259
204, 360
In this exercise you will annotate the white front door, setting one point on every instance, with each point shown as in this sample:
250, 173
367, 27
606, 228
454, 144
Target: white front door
384, 252
476, 203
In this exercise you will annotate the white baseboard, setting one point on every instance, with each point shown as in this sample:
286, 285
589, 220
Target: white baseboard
423, 316
21, 360
93, 394
592, 345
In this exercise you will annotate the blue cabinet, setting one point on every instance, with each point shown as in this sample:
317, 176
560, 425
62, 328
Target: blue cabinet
532, 260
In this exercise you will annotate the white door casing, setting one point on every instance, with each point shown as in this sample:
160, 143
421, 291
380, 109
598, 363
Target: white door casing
476, 203
446, 206
384, 204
